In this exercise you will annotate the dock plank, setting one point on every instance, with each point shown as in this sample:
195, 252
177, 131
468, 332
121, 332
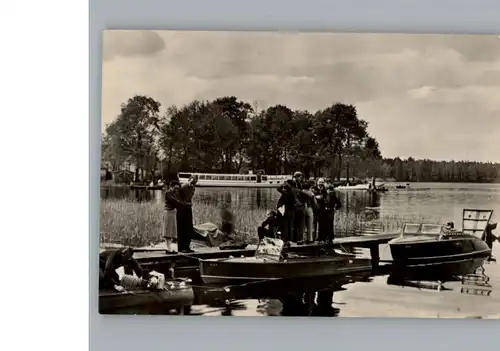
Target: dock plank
363, 241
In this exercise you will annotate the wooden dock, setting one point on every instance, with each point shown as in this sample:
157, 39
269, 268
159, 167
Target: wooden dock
187, 264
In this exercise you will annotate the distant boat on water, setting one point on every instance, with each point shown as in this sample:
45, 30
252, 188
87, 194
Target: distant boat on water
365, 186
235, 180
407, 186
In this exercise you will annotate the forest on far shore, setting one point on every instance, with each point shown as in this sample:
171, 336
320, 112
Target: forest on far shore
228, 135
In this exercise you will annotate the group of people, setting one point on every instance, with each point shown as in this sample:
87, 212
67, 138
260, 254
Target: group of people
178, 215
309, 208
309, 212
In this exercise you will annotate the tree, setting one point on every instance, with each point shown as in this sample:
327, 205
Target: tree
228, 135
233, 129
340, 136
134, 133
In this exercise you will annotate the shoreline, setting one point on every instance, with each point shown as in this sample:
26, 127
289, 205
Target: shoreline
102, 184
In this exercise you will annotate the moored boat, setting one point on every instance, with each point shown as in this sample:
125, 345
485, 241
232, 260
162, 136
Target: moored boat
267, 265
437, 251
141, 299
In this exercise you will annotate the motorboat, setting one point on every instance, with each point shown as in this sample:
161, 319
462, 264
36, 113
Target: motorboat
268, 264
437, 251
365, 186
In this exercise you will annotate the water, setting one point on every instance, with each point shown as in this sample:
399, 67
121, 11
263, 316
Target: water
436, 202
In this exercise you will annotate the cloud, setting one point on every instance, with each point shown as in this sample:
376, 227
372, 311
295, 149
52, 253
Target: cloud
408, 87
131, 43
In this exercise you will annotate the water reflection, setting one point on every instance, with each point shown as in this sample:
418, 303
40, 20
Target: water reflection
124, 192
294, 297
477, 283
291, 305
436, 202
357, 202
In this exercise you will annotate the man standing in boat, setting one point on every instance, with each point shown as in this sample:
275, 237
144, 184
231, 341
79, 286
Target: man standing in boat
185, 216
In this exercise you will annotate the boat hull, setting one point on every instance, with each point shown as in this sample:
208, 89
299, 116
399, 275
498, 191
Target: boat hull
241, 272
144, 301
439, 259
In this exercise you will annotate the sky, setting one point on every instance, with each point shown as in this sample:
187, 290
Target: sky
424, 96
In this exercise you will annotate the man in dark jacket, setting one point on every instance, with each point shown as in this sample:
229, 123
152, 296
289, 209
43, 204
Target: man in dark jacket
110, 261
319, 192
298, 179
288, 201
326, 219
185, 216
294, 201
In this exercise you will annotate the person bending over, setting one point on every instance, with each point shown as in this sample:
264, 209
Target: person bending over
110, 261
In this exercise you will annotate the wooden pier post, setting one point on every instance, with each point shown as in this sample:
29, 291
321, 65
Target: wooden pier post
375, 256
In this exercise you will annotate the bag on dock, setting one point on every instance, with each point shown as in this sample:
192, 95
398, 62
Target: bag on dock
209, 234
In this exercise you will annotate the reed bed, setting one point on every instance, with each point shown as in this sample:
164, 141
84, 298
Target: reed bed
139, 224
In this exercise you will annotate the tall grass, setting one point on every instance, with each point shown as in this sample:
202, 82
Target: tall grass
140, 223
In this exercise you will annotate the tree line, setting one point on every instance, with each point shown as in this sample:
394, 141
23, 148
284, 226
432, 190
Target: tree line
227, 135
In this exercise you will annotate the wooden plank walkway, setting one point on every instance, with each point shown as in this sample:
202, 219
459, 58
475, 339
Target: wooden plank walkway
160, 260
366, 241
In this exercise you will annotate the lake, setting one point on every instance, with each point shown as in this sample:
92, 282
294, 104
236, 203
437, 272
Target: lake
379, 299
435, 202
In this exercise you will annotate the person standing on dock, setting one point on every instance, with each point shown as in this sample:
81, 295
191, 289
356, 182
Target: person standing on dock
311, 206
298, 179
302, 197
288, 201
185, 216
319, 192
172, 204
327, 221
294, 201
